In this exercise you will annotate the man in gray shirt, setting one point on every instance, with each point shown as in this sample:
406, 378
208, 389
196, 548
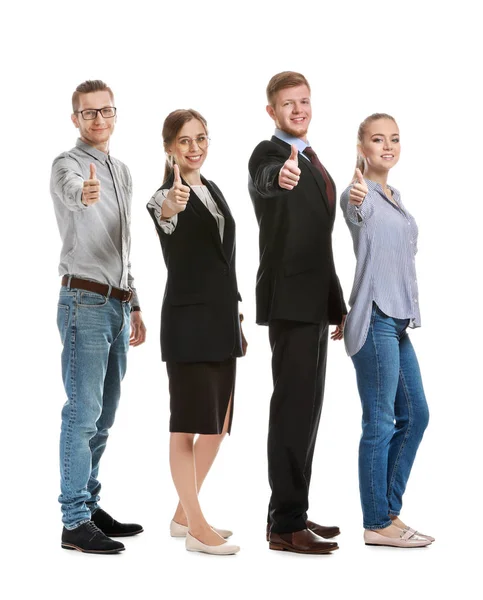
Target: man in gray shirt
98, 313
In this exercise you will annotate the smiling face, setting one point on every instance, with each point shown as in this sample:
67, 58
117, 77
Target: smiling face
292, 111
96, 132
190, 147
380, 146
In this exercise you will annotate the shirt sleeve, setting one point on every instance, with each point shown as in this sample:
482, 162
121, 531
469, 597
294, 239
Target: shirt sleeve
67, 182
130, 279
357, 214
156, 203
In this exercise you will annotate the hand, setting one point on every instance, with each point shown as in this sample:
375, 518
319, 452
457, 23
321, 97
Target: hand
91, 192
358, 190
177, 197
138, 329
338, 332
289, 174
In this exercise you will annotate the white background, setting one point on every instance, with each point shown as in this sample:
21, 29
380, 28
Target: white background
419, 61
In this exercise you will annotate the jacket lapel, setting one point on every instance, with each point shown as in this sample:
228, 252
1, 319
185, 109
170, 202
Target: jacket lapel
229, 231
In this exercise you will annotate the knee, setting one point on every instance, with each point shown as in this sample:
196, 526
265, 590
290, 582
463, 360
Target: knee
213, 439
422, 419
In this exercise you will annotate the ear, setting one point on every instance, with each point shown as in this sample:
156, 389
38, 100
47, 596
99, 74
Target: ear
360, 152
75, 120
270, 111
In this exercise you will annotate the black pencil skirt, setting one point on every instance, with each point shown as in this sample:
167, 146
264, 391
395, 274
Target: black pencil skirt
200, 395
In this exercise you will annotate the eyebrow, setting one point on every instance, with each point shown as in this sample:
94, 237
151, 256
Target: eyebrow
382, 134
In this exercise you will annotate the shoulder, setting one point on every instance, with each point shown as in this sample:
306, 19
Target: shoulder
270, 148
66, 159
213, 185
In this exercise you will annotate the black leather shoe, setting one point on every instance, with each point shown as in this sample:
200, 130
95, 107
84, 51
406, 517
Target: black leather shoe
324, 531
113, 528
90, 539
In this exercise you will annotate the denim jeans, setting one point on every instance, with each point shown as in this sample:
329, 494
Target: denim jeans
394, 416
95, 335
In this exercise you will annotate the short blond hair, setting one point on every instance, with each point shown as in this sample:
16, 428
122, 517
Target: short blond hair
283, 80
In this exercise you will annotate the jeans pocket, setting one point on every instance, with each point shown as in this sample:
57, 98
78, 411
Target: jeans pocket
91, 299
62, 320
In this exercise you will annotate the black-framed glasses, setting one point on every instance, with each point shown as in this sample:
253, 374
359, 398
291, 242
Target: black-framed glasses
89, 114
202, 142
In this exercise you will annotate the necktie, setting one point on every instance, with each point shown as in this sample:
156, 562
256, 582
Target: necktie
328, 183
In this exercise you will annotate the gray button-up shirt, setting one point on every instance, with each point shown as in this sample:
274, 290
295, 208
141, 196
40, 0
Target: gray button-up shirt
385, 236
96, 240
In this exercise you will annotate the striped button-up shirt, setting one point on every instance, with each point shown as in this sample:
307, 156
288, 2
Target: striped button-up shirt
96, 239
384, 235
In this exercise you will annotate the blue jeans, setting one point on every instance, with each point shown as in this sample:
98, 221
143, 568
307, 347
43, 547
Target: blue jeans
394, 416
95, 335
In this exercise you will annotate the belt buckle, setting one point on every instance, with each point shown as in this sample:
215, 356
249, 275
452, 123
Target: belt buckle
127, 295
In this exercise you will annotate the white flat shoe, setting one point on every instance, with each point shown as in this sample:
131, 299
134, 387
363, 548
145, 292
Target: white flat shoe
177, 530
407, 539
194, 545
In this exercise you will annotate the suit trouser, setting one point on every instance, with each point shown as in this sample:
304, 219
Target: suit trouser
299, 357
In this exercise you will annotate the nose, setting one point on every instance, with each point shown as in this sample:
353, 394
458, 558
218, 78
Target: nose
99, 120
388, 144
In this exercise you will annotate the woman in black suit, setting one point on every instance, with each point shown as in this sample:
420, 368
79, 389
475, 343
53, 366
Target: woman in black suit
201, 334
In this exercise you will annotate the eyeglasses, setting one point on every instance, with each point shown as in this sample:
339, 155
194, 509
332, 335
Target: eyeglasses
202, 142
89, 114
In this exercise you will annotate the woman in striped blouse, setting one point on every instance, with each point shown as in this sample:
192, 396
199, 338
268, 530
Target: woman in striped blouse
384, 303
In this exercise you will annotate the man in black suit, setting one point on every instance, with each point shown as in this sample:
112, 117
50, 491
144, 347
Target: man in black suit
298, 296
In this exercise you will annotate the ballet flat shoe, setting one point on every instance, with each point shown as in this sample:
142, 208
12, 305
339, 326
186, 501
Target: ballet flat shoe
423, 535
407, 539
177, 530
194, 545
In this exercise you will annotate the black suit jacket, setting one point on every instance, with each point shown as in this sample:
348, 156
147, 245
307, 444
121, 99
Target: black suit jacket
296, 278
199, 316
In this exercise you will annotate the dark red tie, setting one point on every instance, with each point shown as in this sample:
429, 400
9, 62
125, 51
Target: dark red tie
328, 183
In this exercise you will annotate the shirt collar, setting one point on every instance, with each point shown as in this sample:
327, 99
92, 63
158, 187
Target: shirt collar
290, 139
94, 152
373, 186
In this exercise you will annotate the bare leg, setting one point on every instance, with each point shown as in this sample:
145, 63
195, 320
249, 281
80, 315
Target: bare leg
182, 463
205, 451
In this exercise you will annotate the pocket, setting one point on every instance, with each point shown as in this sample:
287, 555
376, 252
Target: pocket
91, 299
300, 265
62, 320
187, 299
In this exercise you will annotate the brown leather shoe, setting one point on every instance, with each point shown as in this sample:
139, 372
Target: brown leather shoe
321, 530
302, 542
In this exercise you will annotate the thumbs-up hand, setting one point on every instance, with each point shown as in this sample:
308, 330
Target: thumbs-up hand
177, 197
289, 174
91, 192
359, 190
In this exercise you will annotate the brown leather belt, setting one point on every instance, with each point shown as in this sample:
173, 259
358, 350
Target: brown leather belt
97, 288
